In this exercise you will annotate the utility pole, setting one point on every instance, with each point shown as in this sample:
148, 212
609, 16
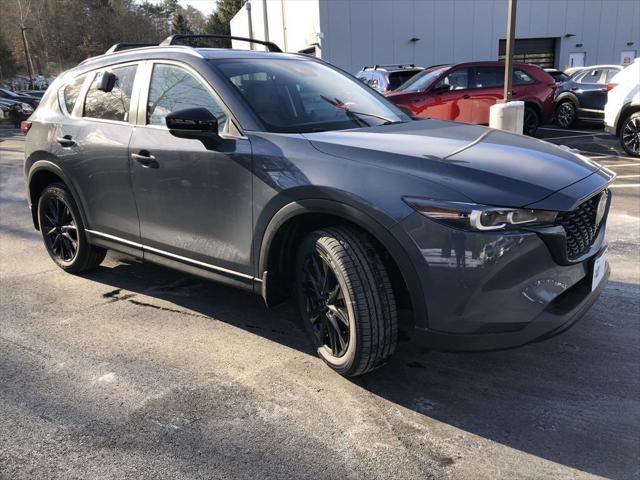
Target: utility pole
508, 58
27, 55
265, 18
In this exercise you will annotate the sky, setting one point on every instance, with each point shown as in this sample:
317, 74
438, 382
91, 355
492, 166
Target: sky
205, 6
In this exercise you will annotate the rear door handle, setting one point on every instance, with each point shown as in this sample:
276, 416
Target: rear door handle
575, 89
66, 141
466, 96
145, 159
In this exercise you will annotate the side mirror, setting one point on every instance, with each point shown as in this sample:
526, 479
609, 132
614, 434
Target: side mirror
196, 124
106, 81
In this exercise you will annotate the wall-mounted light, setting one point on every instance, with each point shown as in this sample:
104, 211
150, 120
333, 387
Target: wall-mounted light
569, 35
629, 44
578, 45
414, 39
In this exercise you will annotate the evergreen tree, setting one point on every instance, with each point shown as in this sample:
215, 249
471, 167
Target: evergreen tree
180, 24
218, 22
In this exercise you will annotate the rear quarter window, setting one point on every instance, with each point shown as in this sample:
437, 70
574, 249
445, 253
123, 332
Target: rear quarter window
68, 94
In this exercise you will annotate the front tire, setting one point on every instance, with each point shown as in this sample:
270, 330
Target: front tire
63, 231
346, 300
630, 135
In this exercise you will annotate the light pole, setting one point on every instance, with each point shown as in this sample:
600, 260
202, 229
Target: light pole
27, 55
508, 58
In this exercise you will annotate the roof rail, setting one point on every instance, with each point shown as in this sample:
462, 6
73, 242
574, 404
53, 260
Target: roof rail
173, 39
118, 47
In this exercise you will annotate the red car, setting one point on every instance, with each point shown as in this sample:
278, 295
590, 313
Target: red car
464, 92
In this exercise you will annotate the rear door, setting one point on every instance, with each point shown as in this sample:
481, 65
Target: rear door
486, 88
100, 145
195, 204
590, 90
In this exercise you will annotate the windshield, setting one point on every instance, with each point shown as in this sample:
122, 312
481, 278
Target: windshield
421, 81
298, 96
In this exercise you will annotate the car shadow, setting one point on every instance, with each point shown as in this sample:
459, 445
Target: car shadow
571, 400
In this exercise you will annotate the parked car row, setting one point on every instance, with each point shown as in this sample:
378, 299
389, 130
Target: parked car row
465, 92
16, 106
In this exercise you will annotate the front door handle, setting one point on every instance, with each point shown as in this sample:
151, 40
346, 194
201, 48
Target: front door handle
145, 159
66, 141
466, 95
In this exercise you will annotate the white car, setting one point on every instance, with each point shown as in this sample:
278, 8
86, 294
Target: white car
622, 111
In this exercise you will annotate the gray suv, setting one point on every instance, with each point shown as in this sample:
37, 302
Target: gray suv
282, 175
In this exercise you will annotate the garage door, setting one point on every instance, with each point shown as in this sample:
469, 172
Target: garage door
539, 51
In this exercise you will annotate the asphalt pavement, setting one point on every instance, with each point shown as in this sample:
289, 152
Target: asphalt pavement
135, 371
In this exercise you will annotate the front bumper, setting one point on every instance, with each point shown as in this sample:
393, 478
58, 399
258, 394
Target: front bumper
486, 290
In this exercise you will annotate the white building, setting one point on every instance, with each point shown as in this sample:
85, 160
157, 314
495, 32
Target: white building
353, 33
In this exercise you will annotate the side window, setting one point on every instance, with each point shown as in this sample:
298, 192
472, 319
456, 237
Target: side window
456, 80
68, 94
520, 77
174, 88
610, 73
113, 105
591, 76
487, 77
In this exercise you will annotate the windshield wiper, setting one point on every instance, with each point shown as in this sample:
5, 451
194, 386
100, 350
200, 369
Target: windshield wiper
353, 114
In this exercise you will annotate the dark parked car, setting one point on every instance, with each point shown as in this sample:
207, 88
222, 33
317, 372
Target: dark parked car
386, 78
19, 97
584, 95
558, 75
465, 92
281, 175
14, 112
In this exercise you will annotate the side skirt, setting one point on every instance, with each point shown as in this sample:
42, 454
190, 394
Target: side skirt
175, 262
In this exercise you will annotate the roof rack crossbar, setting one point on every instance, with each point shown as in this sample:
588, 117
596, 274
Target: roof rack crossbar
118, 47
173, 39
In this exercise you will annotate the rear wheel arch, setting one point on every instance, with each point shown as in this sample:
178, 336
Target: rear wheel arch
567, 96
625, 113
294, 221
42, 174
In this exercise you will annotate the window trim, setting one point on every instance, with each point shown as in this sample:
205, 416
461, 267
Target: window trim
133, 103
145, 86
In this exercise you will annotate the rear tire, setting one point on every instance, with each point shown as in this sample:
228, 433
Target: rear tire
566, 114
346, 300
630, 135
63, 231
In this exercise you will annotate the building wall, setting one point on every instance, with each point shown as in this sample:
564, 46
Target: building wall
365, 32
301, 18
353, 33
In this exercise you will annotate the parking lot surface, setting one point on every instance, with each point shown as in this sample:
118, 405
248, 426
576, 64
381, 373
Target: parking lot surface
134, 371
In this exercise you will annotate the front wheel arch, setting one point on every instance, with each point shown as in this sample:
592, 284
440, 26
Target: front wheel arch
299, 218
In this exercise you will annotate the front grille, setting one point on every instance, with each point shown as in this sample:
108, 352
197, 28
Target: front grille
580, 227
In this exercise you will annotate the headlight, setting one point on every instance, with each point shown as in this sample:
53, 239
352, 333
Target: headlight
26, 107
472, 216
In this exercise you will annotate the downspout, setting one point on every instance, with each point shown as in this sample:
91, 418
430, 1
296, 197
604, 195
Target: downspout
266, 20
250, 23
284, 24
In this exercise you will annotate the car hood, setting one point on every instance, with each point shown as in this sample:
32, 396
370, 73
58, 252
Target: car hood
484, 165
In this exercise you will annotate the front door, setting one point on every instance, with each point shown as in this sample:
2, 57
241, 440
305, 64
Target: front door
450, 98
193, 203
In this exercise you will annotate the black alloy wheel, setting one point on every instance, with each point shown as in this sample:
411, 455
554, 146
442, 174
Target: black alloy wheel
346, 300
630, 135
531, 121
566, 114
325, 305
63, 231
59, 229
